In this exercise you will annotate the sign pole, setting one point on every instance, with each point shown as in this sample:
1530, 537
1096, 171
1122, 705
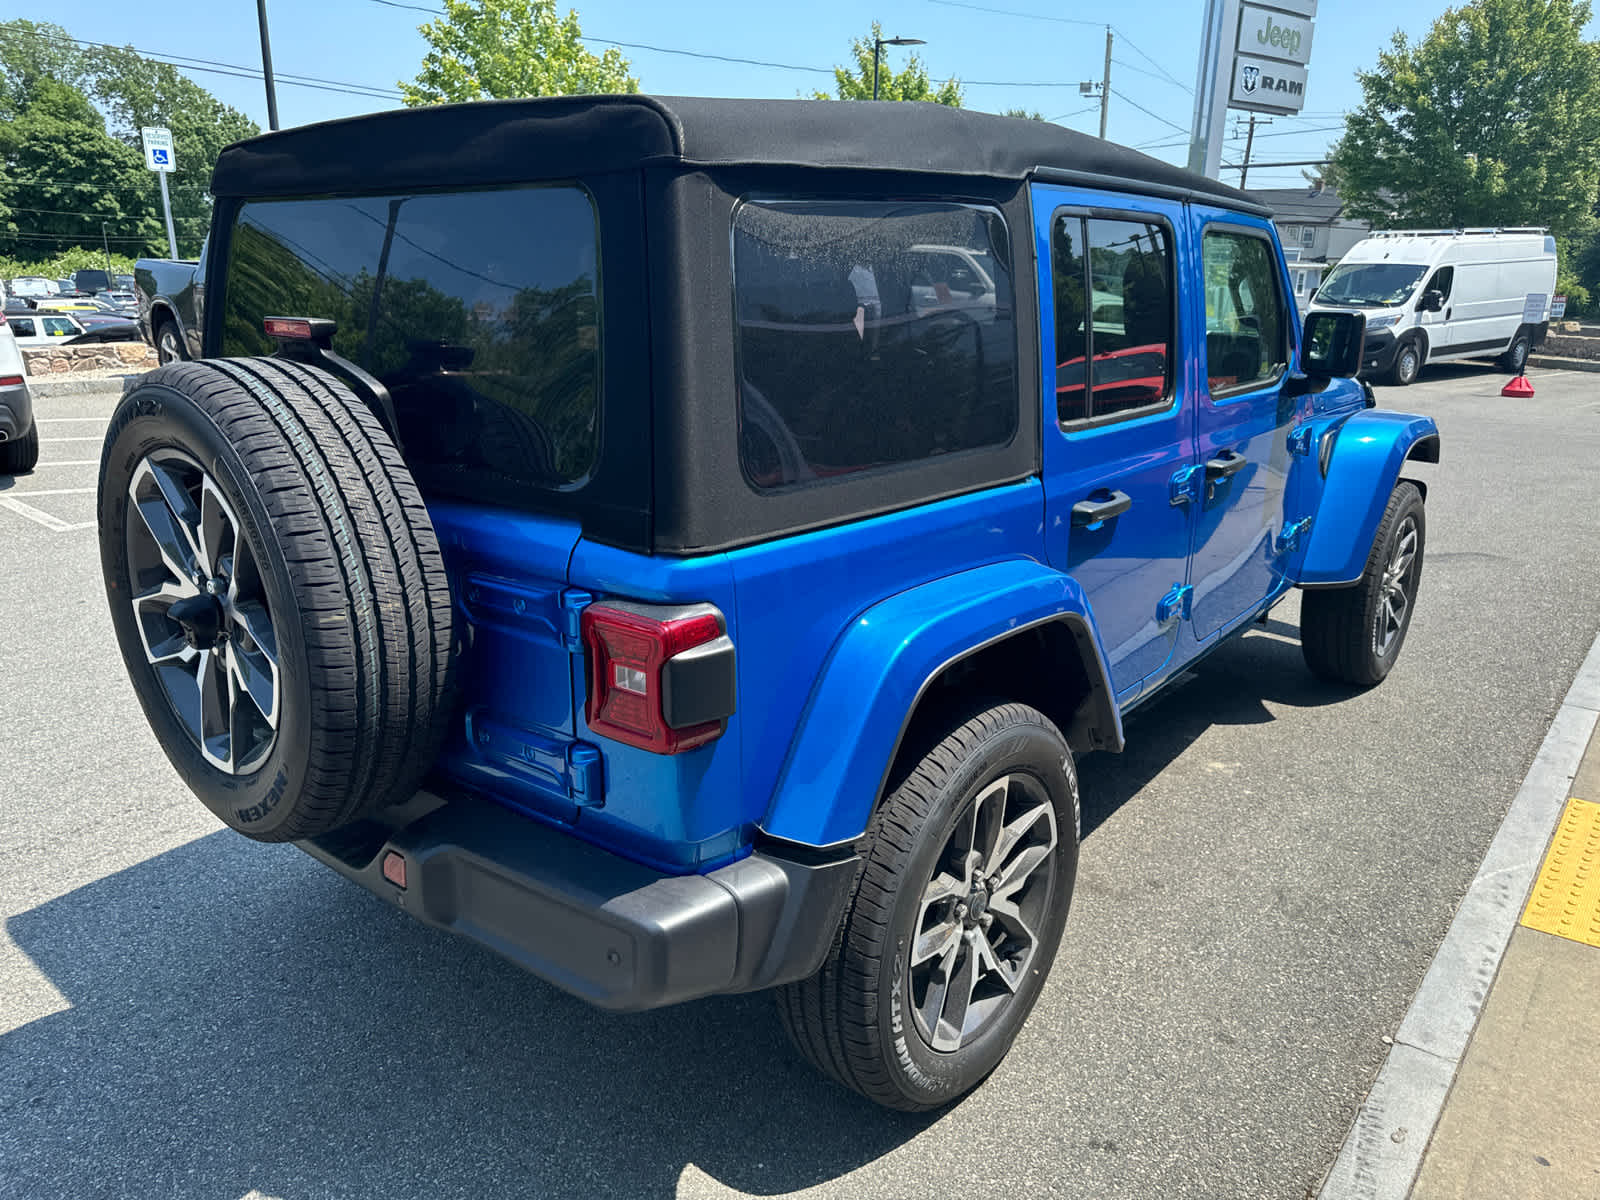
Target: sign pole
166, 207
1105, 87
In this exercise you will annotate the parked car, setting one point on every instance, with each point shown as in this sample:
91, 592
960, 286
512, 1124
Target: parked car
19, 435
124, 283
668, 654
44, 328
121, 304
16, 304
105, 327
171, 297
91, 281
66, 303
1436, 295
33, 285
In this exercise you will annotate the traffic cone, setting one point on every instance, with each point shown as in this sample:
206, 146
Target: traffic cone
1518, 387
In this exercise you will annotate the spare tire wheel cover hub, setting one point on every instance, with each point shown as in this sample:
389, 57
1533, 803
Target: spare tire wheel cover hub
202, 612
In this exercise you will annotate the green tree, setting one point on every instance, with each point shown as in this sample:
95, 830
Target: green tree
498, 49
911, 82
1024, 113
63, 176
1492, 119
131, 91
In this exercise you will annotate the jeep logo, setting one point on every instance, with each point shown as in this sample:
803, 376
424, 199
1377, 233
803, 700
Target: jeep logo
1281, 36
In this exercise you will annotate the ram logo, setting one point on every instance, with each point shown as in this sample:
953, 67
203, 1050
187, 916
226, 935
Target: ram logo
1248, 76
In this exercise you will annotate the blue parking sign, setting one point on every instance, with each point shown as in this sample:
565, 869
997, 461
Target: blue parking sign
159, 156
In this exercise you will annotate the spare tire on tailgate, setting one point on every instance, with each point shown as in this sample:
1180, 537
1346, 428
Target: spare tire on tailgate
278, 592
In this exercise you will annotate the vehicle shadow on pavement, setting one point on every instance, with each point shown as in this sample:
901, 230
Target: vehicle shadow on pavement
244, 1021
1231, 686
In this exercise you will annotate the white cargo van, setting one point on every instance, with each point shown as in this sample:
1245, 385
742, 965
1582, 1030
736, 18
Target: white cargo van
1432, 295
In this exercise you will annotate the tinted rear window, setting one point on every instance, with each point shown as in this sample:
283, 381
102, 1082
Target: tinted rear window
479, 310
870, 333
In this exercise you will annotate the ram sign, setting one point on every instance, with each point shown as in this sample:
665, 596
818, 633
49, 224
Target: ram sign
1263, 85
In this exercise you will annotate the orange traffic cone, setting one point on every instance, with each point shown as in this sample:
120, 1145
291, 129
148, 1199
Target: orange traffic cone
1518, 387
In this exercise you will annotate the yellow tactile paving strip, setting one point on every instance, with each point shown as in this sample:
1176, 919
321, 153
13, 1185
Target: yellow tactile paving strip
1566, 895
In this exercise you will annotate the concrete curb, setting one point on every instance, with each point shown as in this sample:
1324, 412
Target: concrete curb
46, 388
1383, 1151
1551, 363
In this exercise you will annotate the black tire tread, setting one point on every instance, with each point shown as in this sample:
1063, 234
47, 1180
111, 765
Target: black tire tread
832, 1017
1333, 621
365, 568
21, 454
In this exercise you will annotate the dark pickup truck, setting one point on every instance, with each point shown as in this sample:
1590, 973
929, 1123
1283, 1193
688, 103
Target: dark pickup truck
171, 295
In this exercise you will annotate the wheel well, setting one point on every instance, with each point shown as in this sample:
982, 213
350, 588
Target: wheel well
1420, 337
1050, 666
1424, 449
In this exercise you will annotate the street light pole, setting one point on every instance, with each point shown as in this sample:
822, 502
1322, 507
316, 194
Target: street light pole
878, 43
266, 66
105, 241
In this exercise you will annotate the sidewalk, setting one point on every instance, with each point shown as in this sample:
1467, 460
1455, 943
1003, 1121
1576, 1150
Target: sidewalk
1491, 1090
1523, 1118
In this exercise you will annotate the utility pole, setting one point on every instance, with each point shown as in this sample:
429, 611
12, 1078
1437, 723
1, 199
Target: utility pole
1249, 141
105, 241
1105, 87
266, 66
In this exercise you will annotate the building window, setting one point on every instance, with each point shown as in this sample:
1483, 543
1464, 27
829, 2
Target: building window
1308, 236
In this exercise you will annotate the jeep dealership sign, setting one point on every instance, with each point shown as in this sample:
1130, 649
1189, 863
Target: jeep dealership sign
1270, 53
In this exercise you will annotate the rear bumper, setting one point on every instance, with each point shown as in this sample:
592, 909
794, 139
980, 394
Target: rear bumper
16, 411
617, 934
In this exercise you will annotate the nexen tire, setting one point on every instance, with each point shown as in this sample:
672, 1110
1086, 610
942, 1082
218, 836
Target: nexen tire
330, 587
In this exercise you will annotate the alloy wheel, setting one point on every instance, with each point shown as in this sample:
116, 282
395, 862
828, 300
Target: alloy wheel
1394, 595
975, 938
202, 613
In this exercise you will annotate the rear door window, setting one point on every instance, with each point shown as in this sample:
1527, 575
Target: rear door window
477, 309
1114, 316
870, 334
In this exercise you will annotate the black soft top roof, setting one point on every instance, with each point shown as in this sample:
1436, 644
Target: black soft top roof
509, 141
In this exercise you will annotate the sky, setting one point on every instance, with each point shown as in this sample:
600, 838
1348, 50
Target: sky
1009, 53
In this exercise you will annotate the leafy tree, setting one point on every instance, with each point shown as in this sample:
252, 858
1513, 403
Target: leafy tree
1493, 118
498, 49
58, 166
909, 83
132, 91
1025, 114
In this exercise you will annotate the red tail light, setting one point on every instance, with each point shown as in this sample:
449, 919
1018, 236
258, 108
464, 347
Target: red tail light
287, 327
10, 380
660, 678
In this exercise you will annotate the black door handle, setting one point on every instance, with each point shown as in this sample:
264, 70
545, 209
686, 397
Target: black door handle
1447, 314
1229, 462
1093, 511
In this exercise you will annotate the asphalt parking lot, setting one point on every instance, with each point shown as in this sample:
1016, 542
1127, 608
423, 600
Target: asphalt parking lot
1266, 873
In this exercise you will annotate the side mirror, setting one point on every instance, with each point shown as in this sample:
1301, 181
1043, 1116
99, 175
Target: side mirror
1432, 301
1332, 345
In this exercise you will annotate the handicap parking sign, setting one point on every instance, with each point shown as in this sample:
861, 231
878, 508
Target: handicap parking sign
157, 148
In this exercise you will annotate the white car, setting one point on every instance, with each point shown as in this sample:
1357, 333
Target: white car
35, 286
19, 436
42, 328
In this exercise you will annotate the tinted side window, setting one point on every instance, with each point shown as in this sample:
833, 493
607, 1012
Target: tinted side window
1114, 323
479, 311
1441, 281
1246, 341
22, 326
870, 334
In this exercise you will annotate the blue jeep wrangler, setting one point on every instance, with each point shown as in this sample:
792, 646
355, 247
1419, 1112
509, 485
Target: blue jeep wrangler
682, 544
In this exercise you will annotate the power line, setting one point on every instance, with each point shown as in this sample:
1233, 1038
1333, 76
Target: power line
236, 70
1167, 74
1005, 12
1147, 112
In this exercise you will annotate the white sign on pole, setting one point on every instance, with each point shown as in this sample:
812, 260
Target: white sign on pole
1300, 8
1533, 308
1261, 85
158, 154
1269, 34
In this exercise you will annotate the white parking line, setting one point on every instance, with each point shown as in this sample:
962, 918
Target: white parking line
68, 420
73, 462
51, 441
54, 524
54, 492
